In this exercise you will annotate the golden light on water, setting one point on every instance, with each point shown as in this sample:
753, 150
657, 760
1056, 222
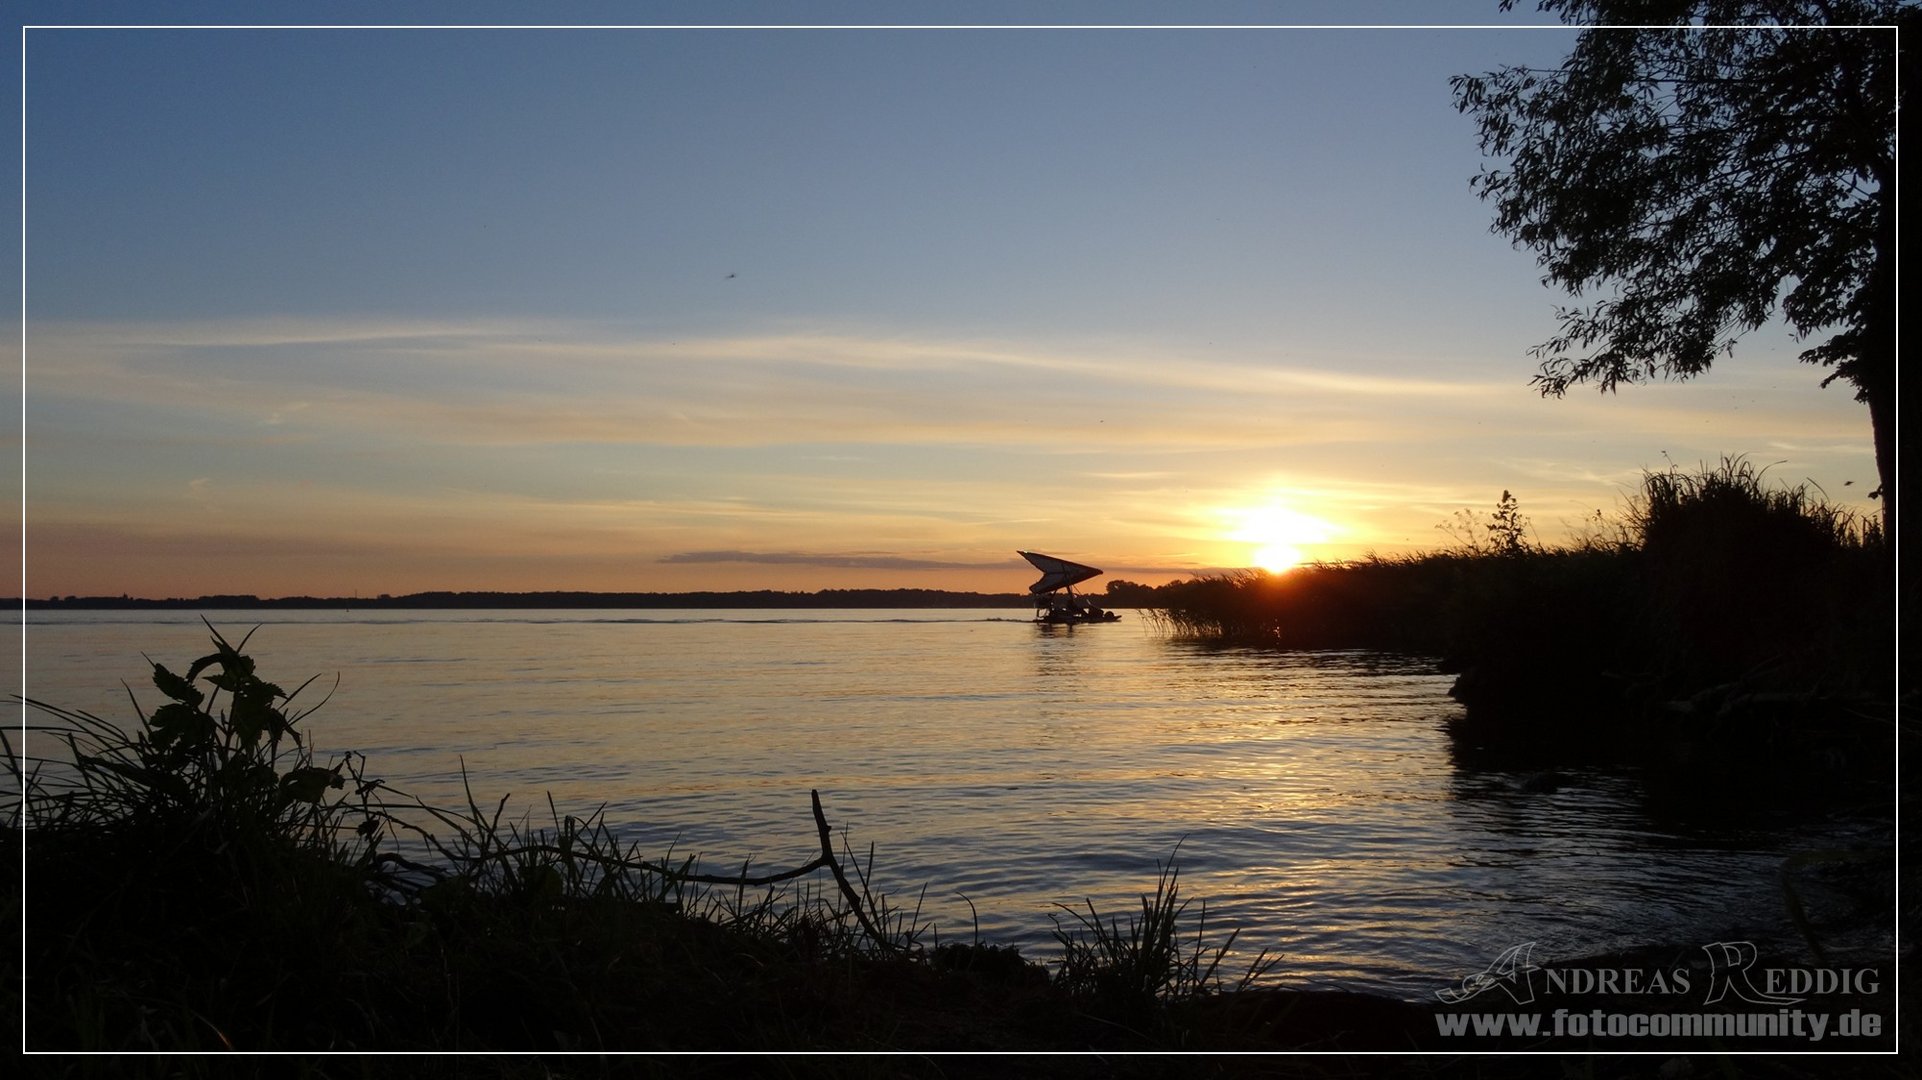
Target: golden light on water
1275, 532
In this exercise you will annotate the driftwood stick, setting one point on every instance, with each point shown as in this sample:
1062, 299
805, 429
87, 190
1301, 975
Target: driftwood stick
834, 867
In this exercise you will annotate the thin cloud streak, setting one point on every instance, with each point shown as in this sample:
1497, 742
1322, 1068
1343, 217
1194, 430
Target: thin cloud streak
63, 351
861, 561
500, 383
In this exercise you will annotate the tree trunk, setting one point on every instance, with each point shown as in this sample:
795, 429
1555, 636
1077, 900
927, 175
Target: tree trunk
1882, 424
1876, 376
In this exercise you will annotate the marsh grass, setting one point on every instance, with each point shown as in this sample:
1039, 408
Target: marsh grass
201, 880
1127, 970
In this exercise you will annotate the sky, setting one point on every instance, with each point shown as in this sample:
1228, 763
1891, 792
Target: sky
355, 311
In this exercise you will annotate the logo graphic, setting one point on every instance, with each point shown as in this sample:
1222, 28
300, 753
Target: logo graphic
1510, 971
1728, 964
1609, 997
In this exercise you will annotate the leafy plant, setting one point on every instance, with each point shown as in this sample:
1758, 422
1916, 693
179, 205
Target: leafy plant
1503, 532
1507, 527
232, 771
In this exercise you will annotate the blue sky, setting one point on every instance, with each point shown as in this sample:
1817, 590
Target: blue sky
335, 310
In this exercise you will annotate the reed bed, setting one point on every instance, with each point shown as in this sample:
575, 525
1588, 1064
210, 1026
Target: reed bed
1705, 578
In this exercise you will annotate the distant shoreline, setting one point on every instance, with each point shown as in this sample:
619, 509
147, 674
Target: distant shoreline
760, 598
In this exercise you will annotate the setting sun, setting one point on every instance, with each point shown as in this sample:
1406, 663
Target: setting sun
1275, 558
1275, 533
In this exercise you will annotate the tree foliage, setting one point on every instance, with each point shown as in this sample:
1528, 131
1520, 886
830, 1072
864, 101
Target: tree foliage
1694, 169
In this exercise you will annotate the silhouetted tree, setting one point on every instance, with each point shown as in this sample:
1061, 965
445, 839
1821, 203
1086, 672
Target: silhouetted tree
1707, 178
1122, 593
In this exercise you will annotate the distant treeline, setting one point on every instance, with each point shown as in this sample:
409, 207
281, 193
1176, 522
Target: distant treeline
761, 598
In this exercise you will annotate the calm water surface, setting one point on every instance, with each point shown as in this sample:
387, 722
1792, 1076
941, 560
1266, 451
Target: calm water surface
1313, 797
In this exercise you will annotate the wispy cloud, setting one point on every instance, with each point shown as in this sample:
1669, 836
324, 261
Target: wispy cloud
502, 382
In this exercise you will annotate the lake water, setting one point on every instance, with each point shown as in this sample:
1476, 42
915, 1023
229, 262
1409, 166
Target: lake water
1311, 799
